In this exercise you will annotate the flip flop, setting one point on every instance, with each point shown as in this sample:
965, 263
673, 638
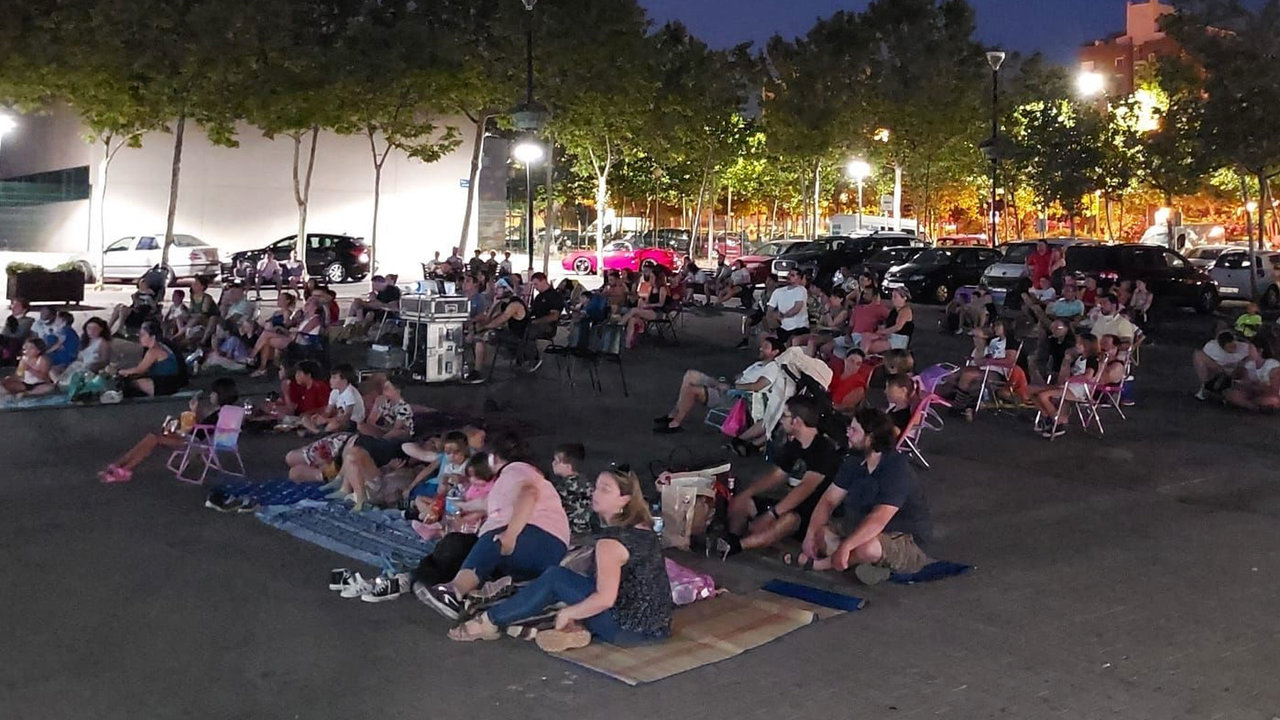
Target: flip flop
461, 634
794, 561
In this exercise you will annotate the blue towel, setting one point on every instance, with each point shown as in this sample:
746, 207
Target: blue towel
381, 538
815, 596
936, 570
273, 492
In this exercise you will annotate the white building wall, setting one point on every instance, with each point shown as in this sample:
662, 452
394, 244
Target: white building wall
239, 198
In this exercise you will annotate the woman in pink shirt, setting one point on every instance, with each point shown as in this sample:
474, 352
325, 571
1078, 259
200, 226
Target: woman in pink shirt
525, 530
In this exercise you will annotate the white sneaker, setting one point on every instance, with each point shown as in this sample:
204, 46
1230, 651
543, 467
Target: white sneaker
1201, 394
356, 587
111, 397
386, 588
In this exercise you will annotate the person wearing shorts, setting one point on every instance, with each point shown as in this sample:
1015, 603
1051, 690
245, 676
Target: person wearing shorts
886, 526
698, 388
318, 461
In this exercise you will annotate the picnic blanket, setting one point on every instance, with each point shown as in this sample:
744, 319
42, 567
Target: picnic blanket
382, 538
273, 492
703, 633
60, 400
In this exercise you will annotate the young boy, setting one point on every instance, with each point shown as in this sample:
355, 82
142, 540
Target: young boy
1248, 324
442, 471
575, 490
897, 391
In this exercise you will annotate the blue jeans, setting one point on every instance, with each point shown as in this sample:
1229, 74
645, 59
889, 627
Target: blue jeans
559, 584
535, 551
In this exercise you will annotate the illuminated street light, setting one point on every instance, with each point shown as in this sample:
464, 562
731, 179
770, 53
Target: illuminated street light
858, 171
7, 125
1251, 206
995, 58
881, 135
527, 152
1089, 84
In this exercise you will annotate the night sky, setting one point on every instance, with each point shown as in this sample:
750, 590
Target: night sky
1054, 27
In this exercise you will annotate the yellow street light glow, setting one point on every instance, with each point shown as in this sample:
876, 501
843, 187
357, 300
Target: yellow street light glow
527, 152
858, 169
1251, 206
1090, 83
7, 125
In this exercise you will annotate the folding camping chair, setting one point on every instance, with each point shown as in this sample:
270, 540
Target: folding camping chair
924, 417
995, 378
1110, 396
1082, 400
207, 444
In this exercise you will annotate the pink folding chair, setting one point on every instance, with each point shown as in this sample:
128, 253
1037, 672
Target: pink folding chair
208, 443
922, 418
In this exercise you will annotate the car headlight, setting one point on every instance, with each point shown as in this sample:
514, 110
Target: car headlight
915, 278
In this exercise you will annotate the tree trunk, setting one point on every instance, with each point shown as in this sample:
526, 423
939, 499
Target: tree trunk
817, 190
1071, 223
773, 217
302, 193
477, 148
897, 197
1264, 202
1111, 235
697, 212
1168, 222
602, 197
550, 224
99, 207
377, 196
173, 191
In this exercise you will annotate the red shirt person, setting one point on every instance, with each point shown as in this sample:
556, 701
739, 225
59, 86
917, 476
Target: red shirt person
305, 393
1040, 262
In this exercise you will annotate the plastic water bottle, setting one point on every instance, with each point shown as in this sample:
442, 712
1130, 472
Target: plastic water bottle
452, 501
657, 518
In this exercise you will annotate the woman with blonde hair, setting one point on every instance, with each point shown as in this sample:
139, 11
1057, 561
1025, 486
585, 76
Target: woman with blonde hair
627, 602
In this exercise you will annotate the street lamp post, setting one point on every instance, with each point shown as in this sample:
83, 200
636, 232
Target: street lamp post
528, 151
995, 59
858, 170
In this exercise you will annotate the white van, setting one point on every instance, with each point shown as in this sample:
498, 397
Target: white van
1002, 276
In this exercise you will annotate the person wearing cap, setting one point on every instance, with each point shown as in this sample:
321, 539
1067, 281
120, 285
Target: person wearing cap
507, 323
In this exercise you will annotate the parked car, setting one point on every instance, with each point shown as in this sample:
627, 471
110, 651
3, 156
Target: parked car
821, 258
881, 262
1205, 256
130, 257
1003, 275
623, 255
1230, 271
936, 273
759, 260
336, 258
1173, 280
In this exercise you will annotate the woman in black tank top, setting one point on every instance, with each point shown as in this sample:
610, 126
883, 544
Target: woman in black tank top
651, 303
897, 329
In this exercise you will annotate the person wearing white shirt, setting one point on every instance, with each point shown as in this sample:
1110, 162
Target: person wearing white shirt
1259, 389
1218, 363
1110, 322
345, 408
1044, 292
790, 304
698, 388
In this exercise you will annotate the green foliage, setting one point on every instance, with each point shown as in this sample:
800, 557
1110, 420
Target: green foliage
18, 268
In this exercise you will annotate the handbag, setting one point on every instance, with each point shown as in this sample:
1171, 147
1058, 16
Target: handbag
737, 420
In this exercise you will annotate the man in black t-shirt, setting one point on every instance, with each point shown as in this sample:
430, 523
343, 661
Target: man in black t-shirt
808, 461
886, 523
477, 263
545, 308
383, 297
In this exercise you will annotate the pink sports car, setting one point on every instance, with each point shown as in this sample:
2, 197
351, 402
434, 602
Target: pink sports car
622, 255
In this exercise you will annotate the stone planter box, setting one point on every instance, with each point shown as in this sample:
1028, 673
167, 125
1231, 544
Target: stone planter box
62, 286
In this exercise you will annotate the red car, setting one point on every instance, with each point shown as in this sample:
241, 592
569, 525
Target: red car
622, 255
760, 261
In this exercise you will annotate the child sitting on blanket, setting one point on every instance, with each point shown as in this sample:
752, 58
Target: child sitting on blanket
443, 468
467, 514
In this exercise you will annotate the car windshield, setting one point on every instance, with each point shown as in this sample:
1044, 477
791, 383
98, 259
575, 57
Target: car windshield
893, 255
806, 247
1204, 253
187, 241
1018, 253
1087, 258
772, 249
933, 257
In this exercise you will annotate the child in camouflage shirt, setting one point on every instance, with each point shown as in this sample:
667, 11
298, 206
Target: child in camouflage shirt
575, 490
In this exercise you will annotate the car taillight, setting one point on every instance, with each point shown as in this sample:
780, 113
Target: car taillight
196, 256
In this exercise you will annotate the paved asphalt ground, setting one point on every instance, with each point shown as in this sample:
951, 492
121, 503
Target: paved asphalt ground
1134, 576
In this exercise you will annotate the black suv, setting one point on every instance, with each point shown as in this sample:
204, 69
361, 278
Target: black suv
881, 262
934, 274
336, 258
1170, 277
821, 258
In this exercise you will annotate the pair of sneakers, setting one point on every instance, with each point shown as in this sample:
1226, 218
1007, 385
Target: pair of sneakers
350, 584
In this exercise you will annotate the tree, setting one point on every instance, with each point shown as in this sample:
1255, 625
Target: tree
392, 90
597, 95
1235, 48
1062, 146
926, 79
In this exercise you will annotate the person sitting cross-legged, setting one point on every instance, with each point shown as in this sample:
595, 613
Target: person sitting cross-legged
1260, 388
698, 388
808, 462
886, 526
627, 602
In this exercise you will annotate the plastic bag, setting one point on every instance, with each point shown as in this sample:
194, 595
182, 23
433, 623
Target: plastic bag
737, 420
688, 586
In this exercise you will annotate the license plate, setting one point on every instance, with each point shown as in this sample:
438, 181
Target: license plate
1230, 291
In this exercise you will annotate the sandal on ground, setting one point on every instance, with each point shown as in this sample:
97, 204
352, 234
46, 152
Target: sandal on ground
795, 561
115, 474
473, 630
